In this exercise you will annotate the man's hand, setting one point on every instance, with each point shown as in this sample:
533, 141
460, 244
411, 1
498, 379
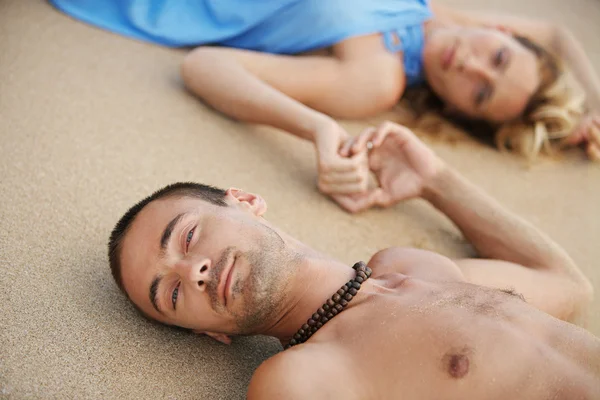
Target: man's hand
402, 164
587, 134
338, 173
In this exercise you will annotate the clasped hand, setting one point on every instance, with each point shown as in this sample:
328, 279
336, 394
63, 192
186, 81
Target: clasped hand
402, 164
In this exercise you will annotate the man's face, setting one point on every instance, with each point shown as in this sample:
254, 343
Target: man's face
192, 264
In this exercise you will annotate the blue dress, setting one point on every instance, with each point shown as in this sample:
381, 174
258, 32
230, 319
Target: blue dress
273, 26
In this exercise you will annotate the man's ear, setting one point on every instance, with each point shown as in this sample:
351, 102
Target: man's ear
220, 337
253, 202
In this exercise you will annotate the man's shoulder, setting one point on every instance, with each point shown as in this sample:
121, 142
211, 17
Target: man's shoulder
414, 262
297, 373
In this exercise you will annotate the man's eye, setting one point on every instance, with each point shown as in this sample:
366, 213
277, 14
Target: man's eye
174, 296
189, 237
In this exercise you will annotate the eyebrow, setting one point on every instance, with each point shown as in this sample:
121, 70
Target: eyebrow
164, 241
153, 291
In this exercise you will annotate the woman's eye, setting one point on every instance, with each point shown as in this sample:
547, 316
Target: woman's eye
189, 237
481, 96
174, 296
499, 58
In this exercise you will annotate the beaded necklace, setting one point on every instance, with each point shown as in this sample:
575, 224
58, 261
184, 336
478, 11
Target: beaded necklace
333, 306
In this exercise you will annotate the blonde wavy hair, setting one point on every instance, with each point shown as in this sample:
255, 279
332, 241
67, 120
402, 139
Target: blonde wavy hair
552, 113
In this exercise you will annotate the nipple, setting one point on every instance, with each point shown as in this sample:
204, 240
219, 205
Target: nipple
456, 364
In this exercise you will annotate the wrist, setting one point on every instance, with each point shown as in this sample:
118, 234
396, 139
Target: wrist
322, 127
438, 183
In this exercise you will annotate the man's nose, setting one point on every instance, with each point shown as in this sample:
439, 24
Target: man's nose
474, 67
195, 271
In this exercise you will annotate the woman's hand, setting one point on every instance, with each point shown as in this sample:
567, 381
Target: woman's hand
404, 166
587, 134
339, 173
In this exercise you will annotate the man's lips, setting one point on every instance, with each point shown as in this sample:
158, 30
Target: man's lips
225, 281
448, 56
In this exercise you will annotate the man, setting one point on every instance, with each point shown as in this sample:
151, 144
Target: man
421, 326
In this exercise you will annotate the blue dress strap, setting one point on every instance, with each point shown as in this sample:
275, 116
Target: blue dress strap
410, 40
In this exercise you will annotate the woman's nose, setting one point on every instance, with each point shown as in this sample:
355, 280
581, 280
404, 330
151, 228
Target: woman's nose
474, 67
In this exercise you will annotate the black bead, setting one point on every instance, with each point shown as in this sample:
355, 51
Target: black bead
348, 296
362, 275
336, 297
357, 265
343, 303
297, 336
334, 310
305, 327
314, 329
338, 307
319, 325
330, 315
293, 342
330, 302
341, 292
325, 319
321, 311
316, 317
326, 307
352, 291
312, 322
301, 331
359, 280
356, 285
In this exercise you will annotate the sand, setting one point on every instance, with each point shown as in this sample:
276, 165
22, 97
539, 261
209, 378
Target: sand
90, 122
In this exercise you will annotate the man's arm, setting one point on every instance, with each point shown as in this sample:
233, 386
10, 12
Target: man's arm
515, 254
518, 255
297, 375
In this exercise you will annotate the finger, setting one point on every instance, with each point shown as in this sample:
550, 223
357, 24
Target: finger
344, 177
346, 147
593, 151
342, 188
341, 164
360, 144
578, 135
382, 198
388, 127
356, 203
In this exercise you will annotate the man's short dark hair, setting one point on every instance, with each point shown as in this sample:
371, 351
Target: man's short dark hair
207, 193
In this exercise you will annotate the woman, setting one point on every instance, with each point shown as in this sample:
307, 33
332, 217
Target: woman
358, 58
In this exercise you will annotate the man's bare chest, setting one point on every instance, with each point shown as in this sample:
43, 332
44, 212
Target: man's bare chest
423, 340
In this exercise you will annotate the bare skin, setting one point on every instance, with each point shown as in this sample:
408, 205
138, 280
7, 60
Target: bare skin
491, 76
423, 327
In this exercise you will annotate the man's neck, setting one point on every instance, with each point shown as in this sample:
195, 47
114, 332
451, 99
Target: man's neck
316, 279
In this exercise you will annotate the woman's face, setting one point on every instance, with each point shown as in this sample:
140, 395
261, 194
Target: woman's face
481, 73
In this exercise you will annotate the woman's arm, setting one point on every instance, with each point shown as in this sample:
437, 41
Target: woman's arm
284, 91
555, 38
298, 95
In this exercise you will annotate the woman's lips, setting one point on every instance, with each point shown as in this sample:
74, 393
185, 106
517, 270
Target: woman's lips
448, 56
